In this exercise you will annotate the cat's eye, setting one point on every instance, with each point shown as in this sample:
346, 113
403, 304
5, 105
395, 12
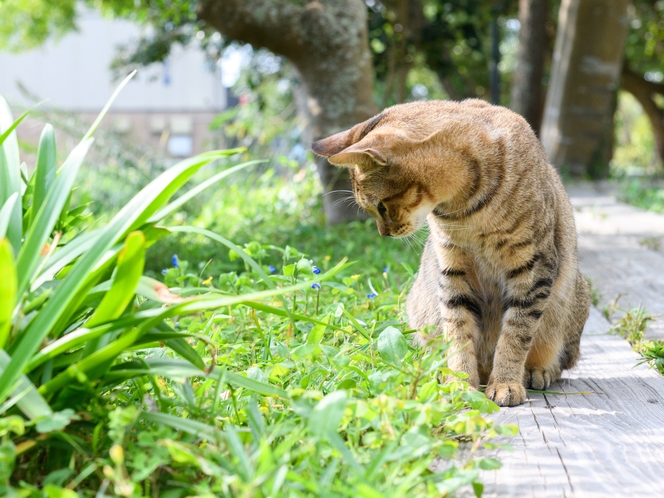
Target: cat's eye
382, 210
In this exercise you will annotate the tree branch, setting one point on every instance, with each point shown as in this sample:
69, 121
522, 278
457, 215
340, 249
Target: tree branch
270, 24
285, 28
643, 91
636, 79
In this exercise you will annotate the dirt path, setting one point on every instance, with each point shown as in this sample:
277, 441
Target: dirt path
610, 440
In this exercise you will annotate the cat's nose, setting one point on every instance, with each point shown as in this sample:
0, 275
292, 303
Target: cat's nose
382, 229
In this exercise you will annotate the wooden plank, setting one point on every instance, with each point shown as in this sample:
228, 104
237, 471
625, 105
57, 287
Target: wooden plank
588, 445
613, 255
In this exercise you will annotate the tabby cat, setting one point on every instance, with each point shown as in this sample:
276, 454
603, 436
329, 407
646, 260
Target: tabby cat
499, 272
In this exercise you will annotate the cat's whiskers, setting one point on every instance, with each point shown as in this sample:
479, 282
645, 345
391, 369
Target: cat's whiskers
349, 200
338, 192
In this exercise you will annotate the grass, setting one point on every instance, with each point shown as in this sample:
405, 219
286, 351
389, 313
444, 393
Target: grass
632, 326
142, 354
644, 196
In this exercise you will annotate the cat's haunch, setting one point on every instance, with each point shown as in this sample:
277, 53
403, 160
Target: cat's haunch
499, 272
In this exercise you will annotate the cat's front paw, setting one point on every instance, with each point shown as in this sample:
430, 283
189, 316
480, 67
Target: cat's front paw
508, 394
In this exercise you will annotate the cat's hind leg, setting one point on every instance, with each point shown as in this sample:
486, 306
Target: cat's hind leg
556, 344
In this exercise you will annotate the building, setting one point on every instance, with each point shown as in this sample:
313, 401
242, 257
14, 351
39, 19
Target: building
168, 106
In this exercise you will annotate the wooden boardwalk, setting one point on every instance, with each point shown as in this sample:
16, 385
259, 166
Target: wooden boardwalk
611, 442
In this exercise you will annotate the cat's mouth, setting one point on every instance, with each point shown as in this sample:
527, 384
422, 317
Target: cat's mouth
403, 230
396, 232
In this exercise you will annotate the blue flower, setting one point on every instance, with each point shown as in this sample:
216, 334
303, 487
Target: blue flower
315, 269
271, 268
163, 272
315, 286
174, 260
386, 269
372, 295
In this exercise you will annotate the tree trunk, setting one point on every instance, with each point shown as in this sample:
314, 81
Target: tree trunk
586, 67
645, 91
327, 42
526, 95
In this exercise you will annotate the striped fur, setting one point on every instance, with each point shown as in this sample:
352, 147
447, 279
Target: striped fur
499, 271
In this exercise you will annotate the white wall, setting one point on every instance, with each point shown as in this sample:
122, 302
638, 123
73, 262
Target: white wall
73, 73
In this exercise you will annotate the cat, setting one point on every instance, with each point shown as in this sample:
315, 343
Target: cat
499, 272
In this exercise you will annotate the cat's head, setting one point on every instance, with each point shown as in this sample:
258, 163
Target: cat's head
397, 165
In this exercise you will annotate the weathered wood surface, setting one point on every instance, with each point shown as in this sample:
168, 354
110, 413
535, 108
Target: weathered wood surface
588, 445
611, 442
621, 249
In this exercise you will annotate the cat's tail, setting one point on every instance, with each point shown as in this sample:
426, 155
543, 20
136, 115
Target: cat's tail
578, 316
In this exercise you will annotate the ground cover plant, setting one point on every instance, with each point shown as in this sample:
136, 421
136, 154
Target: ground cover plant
632, 326
286, 374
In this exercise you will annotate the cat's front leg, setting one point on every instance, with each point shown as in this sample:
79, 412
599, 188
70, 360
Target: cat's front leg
528, 288
462, 314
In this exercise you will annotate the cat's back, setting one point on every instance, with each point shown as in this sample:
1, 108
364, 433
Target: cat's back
491, 133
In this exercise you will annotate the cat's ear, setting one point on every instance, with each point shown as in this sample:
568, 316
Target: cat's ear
339, 153
332, 145
357, 155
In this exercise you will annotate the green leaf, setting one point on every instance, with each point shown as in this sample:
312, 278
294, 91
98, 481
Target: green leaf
327, 414
184, 349
392, 346
279, 312
316, 334
135, 213
8, 286
428, 390
192, 306
6, 213
17, 122
490, 464
478, 489
127, 275
56, 421
45, 171
180, 201
234, 248
10, 175
26, 397
156, 291
174, 368
193, 427
47, 217
108, 105
358, 326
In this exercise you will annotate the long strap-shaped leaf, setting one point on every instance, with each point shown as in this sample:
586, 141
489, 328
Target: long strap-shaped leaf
6, 211
10, 175
8, 283
127, 275
48, 215
47, 166
84, 242
180, 201
174, 368
26, 396
13, 126
134, 214
201, 303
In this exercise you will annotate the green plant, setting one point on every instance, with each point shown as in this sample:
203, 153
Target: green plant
258, 382
645, 196
653, 353
632, 325
595, 293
